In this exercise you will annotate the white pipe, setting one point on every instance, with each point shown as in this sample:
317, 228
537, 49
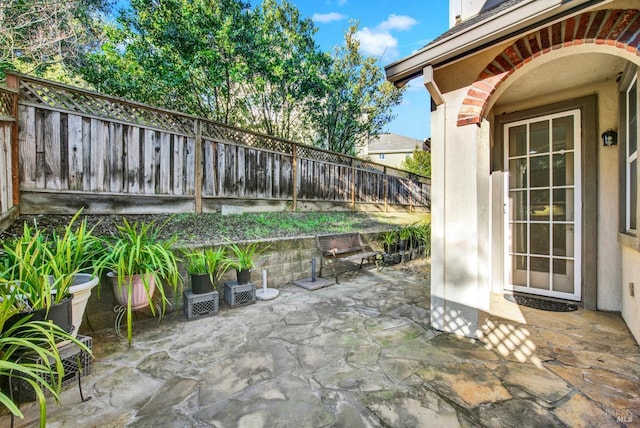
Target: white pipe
264, 280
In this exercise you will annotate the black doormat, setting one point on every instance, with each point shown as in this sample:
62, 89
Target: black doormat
543, 304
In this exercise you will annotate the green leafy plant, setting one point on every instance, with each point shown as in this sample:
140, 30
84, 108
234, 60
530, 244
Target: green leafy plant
138, 250
209, 261
390, 237
75, 251
29, 353
26, 268
44, 266
242, 257
406, 232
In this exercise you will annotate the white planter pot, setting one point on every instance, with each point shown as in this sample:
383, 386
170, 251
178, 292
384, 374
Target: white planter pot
81, 288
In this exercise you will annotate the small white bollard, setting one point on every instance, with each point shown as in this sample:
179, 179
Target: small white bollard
266, 293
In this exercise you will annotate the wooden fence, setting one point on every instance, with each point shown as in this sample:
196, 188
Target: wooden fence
83, 149
8, 155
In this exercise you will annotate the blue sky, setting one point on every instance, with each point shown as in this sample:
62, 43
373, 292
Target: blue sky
389, 30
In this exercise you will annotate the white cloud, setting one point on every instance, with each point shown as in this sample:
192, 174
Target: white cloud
325, 18
397, 22
377, 43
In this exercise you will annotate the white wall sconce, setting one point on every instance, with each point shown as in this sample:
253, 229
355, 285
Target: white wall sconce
609, 138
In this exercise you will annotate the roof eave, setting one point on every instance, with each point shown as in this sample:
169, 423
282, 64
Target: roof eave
522, 17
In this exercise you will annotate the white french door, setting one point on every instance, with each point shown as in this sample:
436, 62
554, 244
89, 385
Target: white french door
543, 210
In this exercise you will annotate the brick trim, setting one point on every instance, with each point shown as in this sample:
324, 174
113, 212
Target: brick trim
616, 28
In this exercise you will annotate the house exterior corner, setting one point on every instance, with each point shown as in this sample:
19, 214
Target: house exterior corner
529, 196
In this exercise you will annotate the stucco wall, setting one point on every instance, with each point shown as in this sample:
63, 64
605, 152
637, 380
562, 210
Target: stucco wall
631, 304
455, 80
609, 252
460, 201
390, 159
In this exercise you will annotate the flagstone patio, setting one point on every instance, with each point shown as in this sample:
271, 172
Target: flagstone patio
359, 354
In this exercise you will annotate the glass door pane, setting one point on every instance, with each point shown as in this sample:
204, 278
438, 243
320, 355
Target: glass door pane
542, 156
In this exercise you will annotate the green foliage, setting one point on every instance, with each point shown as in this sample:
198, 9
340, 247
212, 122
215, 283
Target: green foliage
38, 338
209, 261
285, 73
47, 37
242, 257
254, 68
390, 237
39, 263
358, 101
138, 250
419, 162
184, 55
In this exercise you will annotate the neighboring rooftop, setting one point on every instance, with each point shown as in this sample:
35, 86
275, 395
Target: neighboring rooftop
394, 143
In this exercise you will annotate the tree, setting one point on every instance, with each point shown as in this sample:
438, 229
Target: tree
419, 162
358, 102
178, 54
285, 73
46, 37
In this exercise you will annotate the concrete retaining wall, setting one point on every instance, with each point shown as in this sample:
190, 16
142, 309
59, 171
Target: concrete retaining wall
286, 260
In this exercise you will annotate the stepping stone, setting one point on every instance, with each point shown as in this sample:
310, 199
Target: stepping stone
313, 285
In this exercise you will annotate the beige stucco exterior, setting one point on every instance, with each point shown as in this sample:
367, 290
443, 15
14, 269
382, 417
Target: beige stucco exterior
468, 172
390, 159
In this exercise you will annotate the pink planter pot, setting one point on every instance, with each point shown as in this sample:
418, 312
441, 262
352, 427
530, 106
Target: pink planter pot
139, 298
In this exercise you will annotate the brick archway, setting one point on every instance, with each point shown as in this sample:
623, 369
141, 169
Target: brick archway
616, 28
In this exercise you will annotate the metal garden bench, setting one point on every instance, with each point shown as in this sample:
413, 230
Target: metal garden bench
345, 247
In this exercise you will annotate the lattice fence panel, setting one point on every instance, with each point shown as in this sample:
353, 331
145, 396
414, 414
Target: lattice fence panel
223, 133
368, 166
323, 156
87, 103
6, 103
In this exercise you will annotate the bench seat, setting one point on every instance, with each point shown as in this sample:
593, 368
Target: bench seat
344, 247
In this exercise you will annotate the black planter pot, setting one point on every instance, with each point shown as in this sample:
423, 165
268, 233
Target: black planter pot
403, 245
391, 248
201, 283
59, 313
244, 276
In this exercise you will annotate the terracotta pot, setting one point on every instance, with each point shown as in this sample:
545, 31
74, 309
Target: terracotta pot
139, 298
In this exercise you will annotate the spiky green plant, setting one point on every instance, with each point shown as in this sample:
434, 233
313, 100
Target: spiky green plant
203, 261
242, 257
137, 249
28, 353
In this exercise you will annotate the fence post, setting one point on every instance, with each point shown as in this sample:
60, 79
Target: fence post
411, 194
385, 183
13, 82
353, 185
294, 178
198, 166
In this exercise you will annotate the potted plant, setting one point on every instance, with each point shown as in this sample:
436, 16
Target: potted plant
29, 353
66, 261
74, 264
138, 260
25, 271
405, 237
424, 238
242, 259
204, 267
390, 241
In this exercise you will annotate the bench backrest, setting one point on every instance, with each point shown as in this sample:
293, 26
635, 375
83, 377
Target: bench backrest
342, 243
